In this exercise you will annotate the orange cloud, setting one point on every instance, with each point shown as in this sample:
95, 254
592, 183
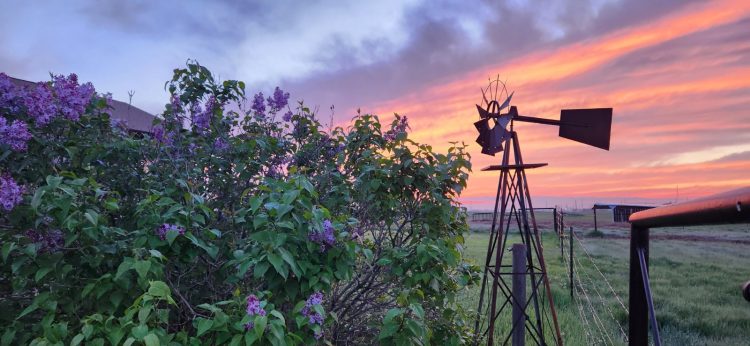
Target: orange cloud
651, 107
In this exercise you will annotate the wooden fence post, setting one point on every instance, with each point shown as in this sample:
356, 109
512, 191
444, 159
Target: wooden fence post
519, 294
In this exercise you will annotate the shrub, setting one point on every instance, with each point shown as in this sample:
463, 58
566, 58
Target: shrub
224, 225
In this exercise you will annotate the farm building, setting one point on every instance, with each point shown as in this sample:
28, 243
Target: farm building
620, 212
135, 119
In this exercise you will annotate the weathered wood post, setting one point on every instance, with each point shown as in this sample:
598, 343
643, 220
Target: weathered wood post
638, 305
571, 261
519, 294
596, 228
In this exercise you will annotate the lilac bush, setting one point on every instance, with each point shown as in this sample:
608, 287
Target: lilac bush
111, 236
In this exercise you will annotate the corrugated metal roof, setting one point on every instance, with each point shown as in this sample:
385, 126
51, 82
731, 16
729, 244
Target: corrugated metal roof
135, 118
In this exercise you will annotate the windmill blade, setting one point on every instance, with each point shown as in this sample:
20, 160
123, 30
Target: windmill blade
507, 101
591, 126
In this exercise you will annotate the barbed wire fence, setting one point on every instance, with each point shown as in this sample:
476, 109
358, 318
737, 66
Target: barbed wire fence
597, 314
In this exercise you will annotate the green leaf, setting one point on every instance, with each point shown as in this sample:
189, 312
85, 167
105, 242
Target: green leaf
142, 268
278, 264
41, 273
8, 337
288, 258
260, 269
92, 217
157, 254
128, 342
139, 332
115, 334
159, 289
37, 199
7, 248
76, 340
418, 310
260, 325
151, 340
204, 325
392, 313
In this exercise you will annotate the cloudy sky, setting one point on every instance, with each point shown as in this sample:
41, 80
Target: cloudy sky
677, 74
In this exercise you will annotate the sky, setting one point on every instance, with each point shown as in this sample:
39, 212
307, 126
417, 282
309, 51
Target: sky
677, 74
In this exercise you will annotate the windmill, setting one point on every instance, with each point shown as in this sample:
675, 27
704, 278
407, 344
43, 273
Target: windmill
513, 205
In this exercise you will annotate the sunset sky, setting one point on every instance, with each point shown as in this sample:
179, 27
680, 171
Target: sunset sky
677, 74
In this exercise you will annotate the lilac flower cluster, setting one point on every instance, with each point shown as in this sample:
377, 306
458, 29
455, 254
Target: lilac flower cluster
220, 144
163, 229
14, 135
325, 238
8, 94
279, 100
287, 116
40, 104
201, 119
253, 308
398, 129
72, 98
259, 105
163, 137
51, 241
313, 316
10, 192
44, 101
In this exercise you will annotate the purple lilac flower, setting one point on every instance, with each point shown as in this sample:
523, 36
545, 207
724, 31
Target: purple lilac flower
249, 326
176, 104
258, 105
201, 119
253, 306
220, 144
163, 137
72, 98
9, 94
309, 311
325, 238
40, 104
318, 335
14, 135
10, 192
165, 228
278, 101
287, 116
399, 128
120, 124
49, 242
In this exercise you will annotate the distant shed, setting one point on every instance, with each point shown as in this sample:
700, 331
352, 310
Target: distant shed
620, 212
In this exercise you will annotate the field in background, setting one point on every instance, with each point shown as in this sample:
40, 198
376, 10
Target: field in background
696, 273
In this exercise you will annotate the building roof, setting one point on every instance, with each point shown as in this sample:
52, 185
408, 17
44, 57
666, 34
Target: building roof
135, 118
619, 205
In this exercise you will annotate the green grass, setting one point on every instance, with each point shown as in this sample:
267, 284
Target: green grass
695, 286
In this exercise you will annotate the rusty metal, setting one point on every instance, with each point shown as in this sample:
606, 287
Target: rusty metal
649, 297
724, 208
728, 207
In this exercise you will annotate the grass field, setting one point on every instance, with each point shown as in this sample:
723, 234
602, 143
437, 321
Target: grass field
696, 284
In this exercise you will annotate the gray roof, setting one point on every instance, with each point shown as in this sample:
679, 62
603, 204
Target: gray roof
135, 118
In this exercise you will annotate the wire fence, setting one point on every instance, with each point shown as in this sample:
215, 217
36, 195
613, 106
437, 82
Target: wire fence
591, 287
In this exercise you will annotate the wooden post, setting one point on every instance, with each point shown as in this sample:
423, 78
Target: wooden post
519, 294
637, 303
596, 229
571, 262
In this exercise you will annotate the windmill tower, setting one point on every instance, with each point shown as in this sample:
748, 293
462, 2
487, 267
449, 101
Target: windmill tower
529, 298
